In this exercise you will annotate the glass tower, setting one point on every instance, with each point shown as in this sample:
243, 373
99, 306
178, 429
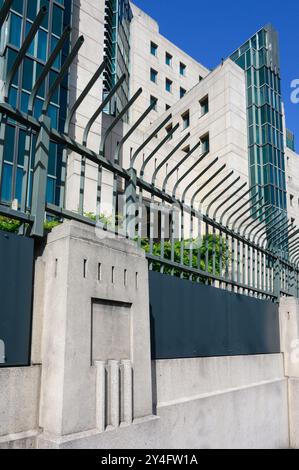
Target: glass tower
22, 14
118, 16
259, 57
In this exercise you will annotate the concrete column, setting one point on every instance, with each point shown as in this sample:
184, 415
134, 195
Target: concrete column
89, 321
289, 328
113, 393
101, 395
127, 383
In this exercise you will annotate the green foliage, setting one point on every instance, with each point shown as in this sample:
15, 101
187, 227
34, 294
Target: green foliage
9, 225
194, 249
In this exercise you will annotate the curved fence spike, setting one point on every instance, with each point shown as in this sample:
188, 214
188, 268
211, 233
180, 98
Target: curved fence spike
200, 176
101, 108
218, 185
222, 193
131, 131
4, 11
205, 184
46, 68
236, 202
201, 158
231, 196
266, 207
177, 166
83, 95
148, 139
117, 119
159, 146
63, 71
261, 223
168, 157
259, 201
248, 201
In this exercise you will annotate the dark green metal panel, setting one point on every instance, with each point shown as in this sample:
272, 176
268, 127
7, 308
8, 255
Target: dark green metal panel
16, 287
193, 320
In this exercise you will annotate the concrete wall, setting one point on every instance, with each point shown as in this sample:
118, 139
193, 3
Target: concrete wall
206, 404
92, 384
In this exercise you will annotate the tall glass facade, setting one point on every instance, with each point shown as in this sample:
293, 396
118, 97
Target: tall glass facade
259, 57
23, 13
118, 16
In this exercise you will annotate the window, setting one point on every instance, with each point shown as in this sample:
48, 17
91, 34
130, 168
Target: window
204, 106
168, 59
186, 120
182, 92
182, 69
154, 49
154, 100
168, 85
205, 143
200, 78
167, 107
186, 149
154, 76
169, 129
291, 200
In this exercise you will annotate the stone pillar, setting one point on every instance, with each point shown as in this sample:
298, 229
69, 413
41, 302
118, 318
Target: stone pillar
95, 325
289, 329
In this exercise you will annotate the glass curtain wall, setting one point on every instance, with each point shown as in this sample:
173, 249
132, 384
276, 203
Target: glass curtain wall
23, 13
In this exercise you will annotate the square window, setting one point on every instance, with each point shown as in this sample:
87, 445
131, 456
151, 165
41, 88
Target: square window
205, 143
168, 59
167, 107
183, 69
182, 92
169, 129
154, 101
204, 106
154, 49
186, 119
168, 85
154, 76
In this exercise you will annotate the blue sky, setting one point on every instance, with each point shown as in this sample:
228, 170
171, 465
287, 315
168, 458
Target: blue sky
210, 30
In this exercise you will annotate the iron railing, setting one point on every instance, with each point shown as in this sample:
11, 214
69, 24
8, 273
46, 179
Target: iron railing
238, 243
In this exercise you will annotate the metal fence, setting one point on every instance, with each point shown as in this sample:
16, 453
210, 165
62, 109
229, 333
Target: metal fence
245, 247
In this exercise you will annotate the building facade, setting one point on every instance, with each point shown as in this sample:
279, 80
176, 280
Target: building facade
235, 112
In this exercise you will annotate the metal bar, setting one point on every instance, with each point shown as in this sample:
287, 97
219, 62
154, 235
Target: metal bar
214, 189
24, 48
83, 95
64, 69
231, 196
166, 179
46, 69
131, 131
266, 206
209, 180
201, 158
148, 139
40, 177
261, 223
265, 224
236, 202
198, 178
269, 226
159, 146
246, 212
167, 158
100, 108
4, 11
222, 192
13, 214
117, 119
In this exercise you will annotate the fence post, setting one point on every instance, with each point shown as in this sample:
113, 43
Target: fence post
277, 283
39, 188
130, 204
